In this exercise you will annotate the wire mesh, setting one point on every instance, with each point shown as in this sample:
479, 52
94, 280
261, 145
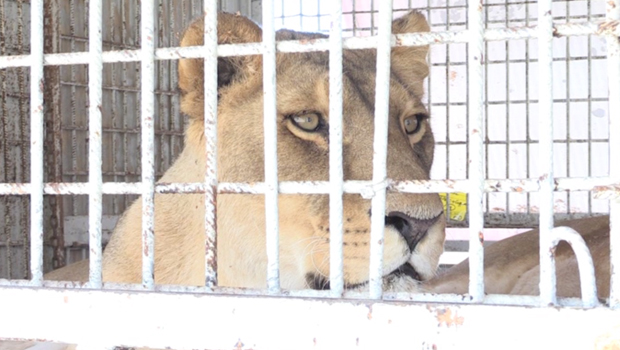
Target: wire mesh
510, 92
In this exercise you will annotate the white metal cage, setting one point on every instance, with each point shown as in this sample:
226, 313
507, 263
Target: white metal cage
248, 318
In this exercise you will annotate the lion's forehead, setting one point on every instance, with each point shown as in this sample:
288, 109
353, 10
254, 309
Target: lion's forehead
304, 80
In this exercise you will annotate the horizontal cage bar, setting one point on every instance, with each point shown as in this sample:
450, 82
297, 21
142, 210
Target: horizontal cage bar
250, 321
351, 43
603, 188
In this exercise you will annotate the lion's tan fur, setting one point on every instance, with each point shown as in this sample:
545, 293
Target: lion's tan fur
302, 85
511, 266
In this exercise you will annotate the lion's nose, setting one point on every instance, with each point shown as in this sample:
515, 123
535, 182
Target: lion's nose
412, 229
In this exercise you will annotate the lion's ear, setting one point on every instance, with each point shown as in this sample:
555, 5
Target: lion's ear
231, 29
410, 62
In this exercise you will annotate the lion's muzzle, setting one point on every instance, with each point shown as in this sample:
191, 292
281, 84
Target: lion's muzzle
412, 229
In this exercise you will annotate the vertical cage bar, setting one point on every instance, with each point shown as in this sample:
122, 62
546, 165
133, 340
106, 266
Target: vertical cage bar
95, 129
379, 161
271, 148
545, 151
476, 149
613, 72
210, 125
36, 141
147, 114
587, 279
336, 280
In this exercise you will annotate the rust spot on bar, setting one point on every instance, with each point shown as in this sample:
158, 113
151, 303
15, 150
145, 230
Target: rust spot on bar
369, 315
481, 237
307, 41
608, 28
145, 249
611, 188
444, 316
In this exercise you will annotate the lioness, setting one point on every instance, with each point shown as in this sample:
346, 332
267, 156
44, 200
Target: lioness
414, 230
511, 266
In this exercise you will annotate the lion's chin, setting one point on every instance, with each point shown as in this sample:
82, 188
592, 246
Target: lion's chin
404, 279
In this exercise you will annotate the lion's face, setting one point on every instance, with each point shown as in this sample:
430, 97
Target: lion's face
414, 230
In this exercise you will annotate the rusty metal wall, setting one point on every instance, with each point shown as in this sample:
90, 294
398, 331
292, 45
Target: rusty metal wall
14, 139
121, 105
66, 135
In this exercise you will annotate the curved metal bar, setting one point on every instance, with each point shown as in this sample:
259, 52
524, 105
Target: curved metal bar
587, 280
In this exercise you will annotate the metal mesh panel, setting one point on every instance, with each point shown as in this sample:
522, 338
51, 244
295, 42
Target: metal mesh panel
511, 106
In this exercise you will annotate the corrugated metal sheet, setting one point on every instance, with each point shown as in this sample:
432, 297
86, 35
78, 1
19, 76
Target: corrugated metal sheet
14, 139
66, 98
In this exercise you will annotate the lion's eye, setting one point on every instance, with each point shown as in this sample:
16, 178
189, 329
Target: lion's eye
413, 123
310, 121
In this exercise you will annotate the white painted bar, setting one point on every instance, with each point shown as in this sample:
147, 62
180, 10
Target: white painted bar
95, 130
147, 114
613, 73
490, 299
603, 187
336, 174
475, 62
248, 322
380, 140
210, 132
36, 142
271, 148
351, 43
545, 151
584, 260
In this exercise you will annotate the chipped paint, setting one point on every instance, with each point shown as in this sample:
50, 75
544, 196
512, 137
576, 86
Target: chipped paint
445, 317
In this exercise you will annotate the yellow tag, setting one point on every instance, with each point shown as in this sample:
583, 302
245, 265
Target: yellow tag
458, 205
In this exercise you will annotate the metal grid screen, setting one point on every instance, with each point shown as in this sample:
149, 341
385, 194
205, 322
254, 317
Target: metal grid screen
374, 319
580, 97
